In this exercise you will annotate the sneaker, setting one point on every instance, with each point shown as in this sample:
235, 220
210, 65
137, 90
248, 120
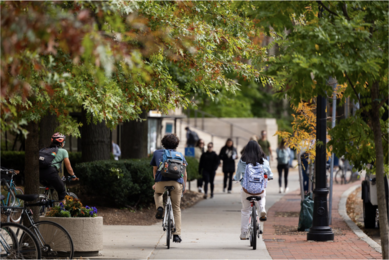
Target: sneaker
199, 189
286, 189
205, 196
224, 190
211, 196
229, 191
159, 213
263, 216
280, 190
244, 235
177, 239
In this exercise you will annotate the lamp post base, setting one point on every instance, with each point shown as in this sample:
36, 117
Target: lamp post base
320, 234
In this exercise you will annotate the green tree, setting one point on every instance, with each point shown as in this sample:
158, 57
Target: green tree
347, 41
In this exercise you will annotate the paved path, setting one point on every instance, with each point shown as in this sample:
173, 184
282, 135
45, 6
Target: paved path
294, 245
210, 230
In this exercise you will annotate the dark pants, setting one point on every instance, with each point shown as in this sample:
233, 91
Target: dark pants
227, 175
284, 167
51, 178
209, 177
304, 166
199, 182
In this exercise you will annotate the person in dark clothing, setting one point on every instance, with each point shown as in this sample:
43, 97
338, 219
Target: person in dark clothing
209, 161
228, 155
191, 137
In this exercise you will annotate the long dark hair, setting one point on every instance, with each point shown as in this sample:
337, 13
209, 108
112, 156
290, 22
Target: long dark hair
229, 139
253, 153
282, 144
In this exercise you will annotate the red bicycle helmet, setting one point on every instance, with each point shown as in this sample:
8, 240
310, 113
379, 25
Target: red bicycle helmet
58, 138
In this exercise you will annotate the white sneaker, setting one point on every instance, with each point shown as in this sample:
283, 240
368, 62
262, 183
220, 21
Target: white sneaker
263, 216
280, 189
286, 189
244, 235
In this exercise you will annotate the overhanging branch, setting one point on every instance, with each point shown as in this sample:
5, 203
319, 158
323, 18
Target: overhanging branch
328, 10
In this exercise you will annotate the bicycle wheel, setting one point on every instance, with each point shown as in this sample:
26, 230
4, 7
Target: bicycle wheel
169, 227
8, 244
56, 240
17, 213
339, 177
28, 246
254, 227
71, 194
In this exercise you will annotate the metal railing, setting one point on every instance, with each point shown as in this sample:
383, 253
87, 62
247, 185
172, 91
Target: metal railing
208, 115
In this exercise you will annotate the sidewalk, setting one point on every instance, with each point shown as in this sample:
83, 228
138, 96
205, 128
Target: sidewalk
284, 242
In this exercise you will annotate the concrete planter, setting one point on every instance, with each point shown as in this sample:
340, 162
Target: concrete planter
86, 233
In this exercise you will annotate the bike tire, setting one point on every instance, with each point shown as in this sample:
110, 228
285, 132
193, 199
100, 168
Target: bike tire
28, 245
58, 242
254, 220
73, 195
250, 230
8, 243
169, 227
16, 214
339, 179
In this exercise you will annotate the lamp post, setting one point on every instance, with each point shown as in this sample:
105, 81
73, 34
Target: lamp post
320, 231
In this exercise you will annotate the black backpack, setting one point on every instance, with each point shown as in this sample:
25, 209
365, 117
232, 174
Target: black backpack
193, 137
46, 157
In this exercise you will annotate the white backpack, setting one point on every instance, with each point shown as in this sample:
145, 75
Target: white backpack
254, 181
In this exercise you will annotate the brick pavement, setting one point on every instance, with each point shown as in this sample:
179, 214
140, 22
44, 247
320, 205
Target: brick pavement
284, 242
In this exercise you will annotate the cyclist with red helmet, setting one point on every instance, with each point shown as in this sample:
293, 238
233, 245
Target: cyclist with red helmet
53, 156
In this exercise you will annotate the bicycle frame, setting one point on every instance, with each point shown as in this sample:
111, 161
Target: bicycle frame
4, 244
11, 191
168, 202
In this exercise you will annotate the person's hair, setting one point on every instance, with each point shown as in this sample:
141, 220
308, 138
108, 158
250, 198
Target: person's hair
170, 141
198, 142
210, 143
253, 153
187, 128
229, 139
263, 132
254, 137
282, 144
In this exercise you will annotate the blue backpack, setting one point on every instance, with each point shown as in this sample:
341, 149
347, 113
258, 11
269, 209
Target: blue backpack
254, 179
172, 165
283, 156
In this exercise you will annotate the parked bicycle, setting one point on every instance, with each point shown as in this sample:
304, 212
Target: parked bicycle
254, 224
345, 173
168, 223
53, 239
22, 246
7, 176
50, 194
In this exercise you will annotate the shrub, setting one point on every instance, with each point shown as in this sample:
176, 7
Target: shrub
192, 169
125, 182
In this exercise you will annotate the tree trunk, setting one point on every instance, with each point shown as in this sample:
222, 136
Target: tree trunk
134, 138
47, 127
95, 141
31, 171
376, 127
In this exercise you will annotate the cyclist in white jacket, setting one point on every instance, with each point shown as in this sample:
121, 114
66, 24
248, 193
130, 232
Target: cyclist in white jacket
252, 154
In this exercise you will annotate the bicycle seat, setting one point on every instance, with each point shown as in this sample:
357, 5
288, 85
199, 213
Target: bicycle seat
27, 197
2, 197
257, 198
169, 188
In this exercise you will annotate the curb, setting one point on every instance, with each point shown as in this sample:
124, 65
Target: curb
343, 212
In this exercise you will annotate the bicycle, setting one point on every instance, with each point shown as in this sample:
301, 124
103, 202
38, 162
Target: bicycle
53, 239
49, 195
10, 200
168, 223
345, 170
254, 226
12, 246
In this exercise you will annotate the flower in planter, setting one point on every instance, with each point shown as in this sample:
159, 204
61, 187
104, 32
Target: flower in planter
72, 208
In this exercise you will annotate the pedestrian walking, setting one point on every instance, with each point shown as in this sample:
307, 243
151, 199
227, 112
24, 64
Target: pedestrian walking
265, 145
283, 160
209, 162
191, 137
116, 151
199, 150
228, 155
252, 171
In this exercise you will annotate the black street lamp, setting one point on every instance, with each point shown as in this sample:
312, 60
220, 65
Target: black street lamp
320, 231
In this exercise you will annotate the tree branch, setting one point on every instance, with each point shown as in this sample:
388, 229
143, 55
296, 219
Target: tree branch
320, 3
344, 9
355, 91
383, 101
